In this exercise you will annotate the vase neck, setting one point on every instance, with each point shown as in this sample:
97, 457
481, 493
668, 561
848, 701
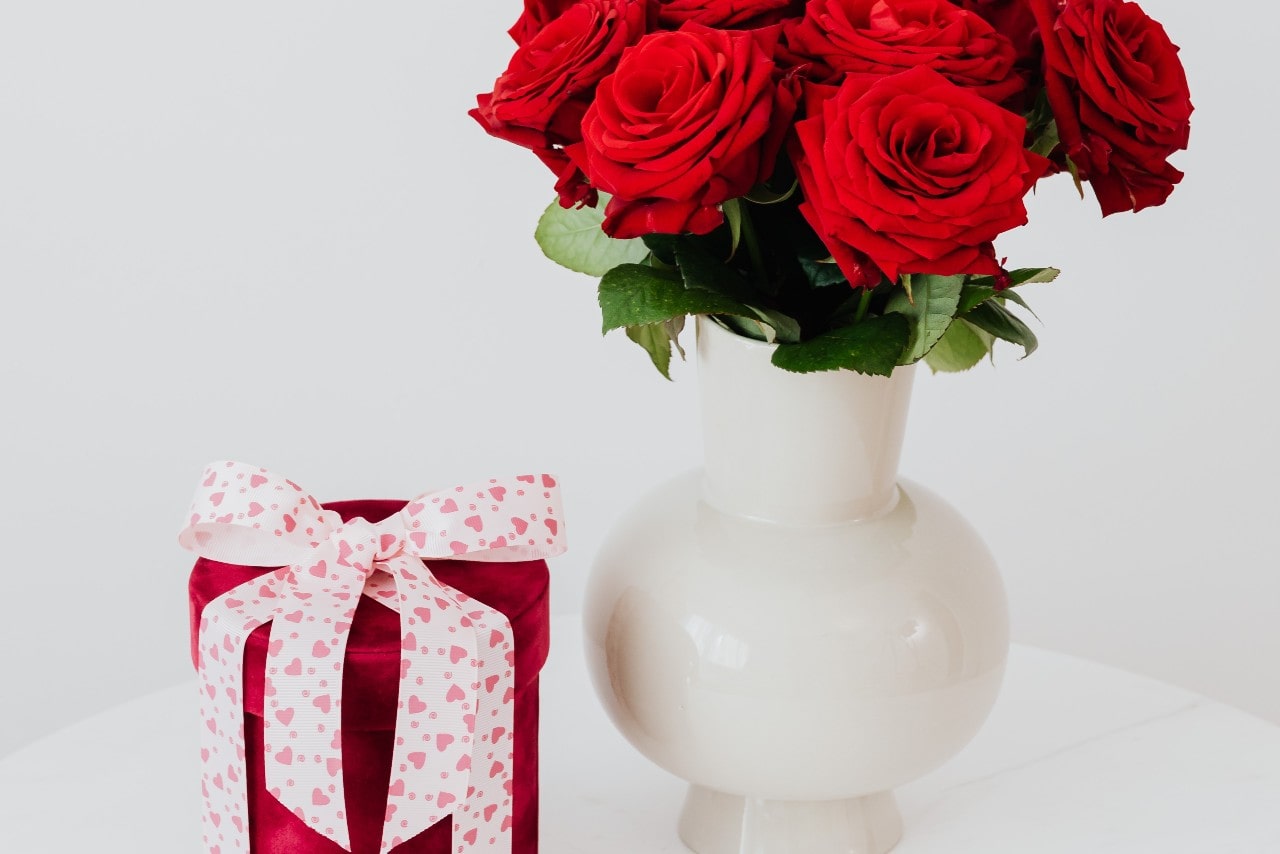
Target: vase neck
801, 449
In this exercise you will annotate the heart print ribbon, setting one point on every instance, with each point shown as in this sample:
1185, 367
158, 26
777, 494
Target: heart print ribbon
455, 715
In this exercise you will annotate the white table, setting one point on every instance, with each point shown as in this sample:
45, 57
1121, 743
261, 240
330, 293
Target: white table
1075, 758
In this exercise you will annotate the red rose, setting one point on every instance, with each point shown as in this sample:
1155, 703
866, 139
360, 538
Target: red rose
1012, 19
871, 39
537, 14
688, 120
726, 14
1119, 94
539, 101
912, 174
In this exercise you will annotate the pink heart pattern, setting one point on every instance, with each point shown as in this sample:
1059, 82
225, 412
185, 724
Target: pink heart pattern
458, 658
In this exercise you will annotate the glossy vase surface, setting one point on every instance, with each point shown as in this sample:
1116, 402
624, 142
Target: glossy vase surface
793, 629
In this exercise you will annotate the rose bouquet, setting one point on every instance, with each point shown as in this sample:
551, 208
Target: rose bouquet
830, 175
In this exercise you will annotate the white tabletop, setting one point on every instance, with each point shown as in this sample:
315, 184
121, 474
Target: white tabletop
1075, 758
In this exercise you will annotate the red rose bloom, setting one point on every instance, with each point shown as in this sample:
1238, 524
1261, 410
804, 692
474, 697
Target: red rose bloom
1012, 19
539, 101
1119, 94
871, 39
537, 14
725, 14
912, 175
688, 120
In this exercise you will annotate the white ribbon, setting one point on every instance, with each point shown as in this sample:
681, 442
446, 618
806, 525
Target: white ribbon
454, 724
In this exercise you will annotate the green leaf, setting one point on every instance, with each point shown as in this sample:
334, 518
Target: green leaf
764, 324
733, 217
674, 327
779, 328
869, 347
1021, 276
636, 295
784, 329
823, 273
657, 339
748, 327
935, 304
994, 318
979, 289
663, 246
1047, 141
962, 347
1033, 276
1014, 296
701, 269
972, 296
573, 238
762, 194
1075, 176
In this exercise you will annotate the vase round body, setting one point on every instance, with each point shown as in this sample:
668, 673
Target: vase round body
792, 629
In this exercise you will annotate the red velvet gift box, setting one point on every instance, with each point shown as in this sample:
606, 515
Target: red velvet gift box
518, 589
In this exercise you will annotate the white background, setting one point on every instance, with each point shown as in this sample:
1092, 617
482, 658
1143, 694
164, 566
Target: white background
269, 231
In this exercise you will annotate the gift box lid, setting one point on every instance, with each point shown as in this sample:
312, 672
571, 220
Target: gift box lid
371, 677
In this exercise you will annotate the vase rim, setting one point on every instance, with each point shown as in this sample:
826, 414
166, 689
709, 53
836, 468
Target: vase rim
710, 325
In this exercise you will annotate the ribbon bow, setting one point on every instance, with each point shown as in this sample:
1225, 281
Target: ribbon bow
453, 731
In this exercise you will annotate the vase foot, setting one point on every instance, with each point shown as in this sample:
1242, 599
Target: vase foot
718, 823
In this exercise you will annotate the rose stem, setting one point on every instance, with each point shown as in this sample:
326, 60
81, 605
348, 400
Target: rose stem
863, 304
753, 244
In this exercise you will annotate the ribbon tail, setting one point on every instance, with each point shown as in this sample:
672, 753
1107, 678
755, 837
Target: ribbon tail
302, 706
225, 626
431, 764
485, 821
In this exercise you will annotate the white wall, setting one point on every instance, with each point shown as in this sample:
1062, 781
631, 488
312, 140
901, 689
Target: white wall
270, 232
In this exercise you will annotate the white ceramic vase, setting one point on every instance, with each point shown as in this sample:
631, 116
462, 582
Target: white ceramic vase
792, 629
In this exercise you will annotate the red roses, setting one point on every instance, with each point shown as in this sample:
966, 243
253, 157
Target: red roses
689, 120
871, 39
540, 100
1120, 97
910, 147
912, 174
738, 14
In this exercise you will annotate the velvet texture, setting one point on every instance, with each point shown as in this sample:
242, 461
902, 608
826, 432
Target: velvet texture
371, 680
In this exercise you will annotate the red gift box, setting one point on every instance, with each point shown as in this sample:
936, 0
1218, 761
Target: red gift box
371, 679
